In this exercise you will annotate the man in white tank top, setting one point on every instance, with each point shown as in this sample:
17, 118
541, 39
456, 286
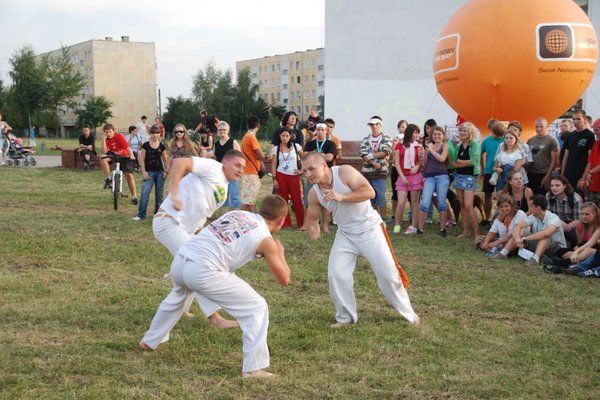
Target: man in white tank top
345, 193
197, 188
206, 263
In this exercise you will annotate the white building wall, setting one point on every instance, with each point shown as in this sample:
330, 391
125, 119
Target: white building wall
378, 56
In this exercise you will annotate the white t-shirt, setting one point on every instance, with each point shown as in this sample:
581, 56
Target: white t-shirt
229, 242
500, 229
143, 131
202, 192
287, 161
349, 217
509, 158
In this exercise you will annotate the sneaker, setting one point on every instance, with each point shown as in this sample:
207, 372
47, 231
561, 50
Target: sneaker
134, 201
397, 229
136, 218
498, 256
429, 221
450, 224
443, 233
410, 230
107, 183
532, 262
552, 269
419, 232
590, 273
574, 270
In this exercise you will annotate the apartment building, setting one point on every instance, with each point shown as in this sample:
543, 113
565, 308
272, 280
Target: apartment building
295, 80
120, 70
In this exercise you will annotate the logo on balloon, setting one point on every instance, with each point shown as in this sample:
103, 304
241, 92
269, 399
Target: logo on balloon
566, 42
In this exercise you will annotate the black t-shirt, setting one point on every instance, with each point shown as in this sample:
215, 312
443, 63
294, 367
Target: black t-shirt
578, 144
153, 157
297, 137
221, 150
88, 141
325, 147
463, 154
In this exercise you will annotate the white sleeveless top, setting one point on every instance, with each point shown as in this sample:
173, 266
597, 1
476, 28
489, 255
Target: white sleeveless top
202, 192
349, 217
228, 243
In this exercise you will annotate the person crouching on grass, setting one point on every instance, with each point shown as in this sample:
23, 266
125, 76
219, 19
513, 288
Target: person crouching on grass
206, 263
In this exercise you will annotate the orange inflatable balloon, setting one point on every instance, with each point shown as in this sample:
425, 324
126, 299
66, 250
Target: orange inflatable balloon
515, 59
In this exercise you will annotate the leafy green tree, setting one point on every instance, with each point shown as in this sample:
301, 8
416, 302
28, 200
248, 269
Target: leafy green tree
29, 88
95, 112
180, 110
63, 82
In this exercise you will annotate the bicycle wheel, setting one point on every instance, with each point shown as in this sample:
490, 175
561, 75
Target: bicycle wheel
117, 190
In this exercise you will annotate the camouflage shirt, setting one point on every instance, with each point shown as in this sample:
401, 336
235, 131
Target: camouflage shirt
371, 145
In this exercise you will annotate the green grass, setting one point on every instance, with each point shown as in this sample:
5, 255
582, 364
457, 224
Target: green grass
81, 282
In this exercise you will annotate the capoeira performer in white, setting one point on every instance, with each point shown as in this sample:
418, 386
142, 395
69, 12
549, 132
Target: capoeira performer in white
345, 193
197, 188
206, 264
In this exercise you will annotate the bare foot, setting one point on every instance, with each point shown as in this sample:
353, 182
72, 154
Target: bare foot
219, 322
188, 315
144, 346
417, 320
464, 235
259, 373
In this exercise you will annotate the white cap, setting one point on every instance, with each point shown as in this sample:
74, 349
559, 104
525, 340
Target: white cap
374, 121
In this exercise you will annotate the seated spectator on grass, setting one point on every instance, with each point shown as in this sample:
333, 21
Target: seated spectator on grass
546, 233
566, 204
503, 226
516, 189
87, 146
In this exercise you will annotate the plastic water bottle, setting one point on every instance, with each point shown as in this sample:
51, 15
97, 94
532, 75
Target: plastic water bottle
492, 251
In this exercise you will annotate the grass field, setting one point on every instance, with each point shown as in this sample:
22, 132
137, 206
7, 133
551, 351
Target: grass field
80, 283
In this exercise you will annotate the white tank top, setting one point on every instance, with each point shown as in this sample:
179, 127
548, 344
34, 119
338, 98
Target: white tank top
349, 217
229, 242
202, 192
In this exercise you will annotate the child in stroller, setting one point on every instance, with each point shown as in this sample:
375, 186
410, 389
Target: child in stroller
16, 152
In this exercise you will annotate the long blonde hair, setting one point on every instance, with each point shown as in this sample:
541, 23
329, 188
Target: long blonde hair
188, 146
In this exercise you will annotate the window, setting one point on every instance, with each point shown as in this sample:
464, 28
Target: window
254, 75
298, 79
272, 67
285, 72
306, 94
321, 83
321, 67
297, 64
291, 65
278, 96
298, 95
305, 111
272, 96
285, 101
285, 86
272, 82
312, 78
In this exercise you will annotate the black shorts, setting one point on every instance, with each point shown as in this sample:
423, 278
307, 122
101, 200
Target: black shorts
487, 188
126, 164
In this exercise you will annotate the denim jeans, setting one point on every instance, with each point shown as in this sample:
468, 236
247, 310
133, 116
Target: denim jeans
438, 184
233, 195
156, 177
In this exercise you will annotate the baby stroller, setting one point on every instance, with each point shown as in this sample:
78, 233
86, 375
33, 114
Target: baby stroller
17, 153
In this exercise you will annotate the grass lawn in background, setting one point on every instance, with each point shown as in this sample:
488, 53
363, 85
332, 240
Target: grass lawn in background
80, 283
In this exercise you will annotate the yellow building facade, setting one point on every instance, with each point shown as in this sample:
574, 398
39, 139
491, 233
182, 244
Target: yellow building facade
295, 80
122, 71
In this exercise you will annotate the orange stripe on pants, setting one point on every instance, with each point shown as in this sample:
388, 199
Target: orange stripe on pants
403, 276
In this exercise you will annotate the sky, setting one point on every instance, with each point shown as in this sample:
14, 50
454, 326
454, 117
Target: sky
187, 33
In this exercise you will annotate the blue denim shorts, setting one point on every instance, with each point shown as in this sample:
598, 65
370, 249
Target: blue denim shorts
467, 183
379, 185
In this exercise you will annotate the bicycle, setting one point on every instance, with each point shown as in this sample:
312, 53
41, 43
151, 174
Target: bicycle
116, 179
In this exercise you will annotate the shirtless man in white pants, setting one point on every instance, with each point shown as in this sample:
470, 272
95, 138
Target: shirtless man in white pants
197, 188
206, 264
345, 193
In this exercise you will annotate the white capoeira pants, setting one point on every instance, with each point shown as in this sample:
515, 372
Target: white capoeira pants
227, 290
374, 246
171, 235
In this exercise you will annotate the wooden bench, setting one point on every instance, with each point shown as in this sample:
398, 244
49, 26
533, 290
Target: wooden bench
71, 159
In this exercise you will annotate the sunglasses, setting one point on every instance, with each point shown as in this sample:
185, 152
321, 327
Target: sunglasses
155, 133
179, 131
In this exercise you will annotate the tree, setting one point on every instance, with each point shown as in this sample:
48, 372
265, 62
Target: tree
180, 111
63, 82
29, 79
94, 112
